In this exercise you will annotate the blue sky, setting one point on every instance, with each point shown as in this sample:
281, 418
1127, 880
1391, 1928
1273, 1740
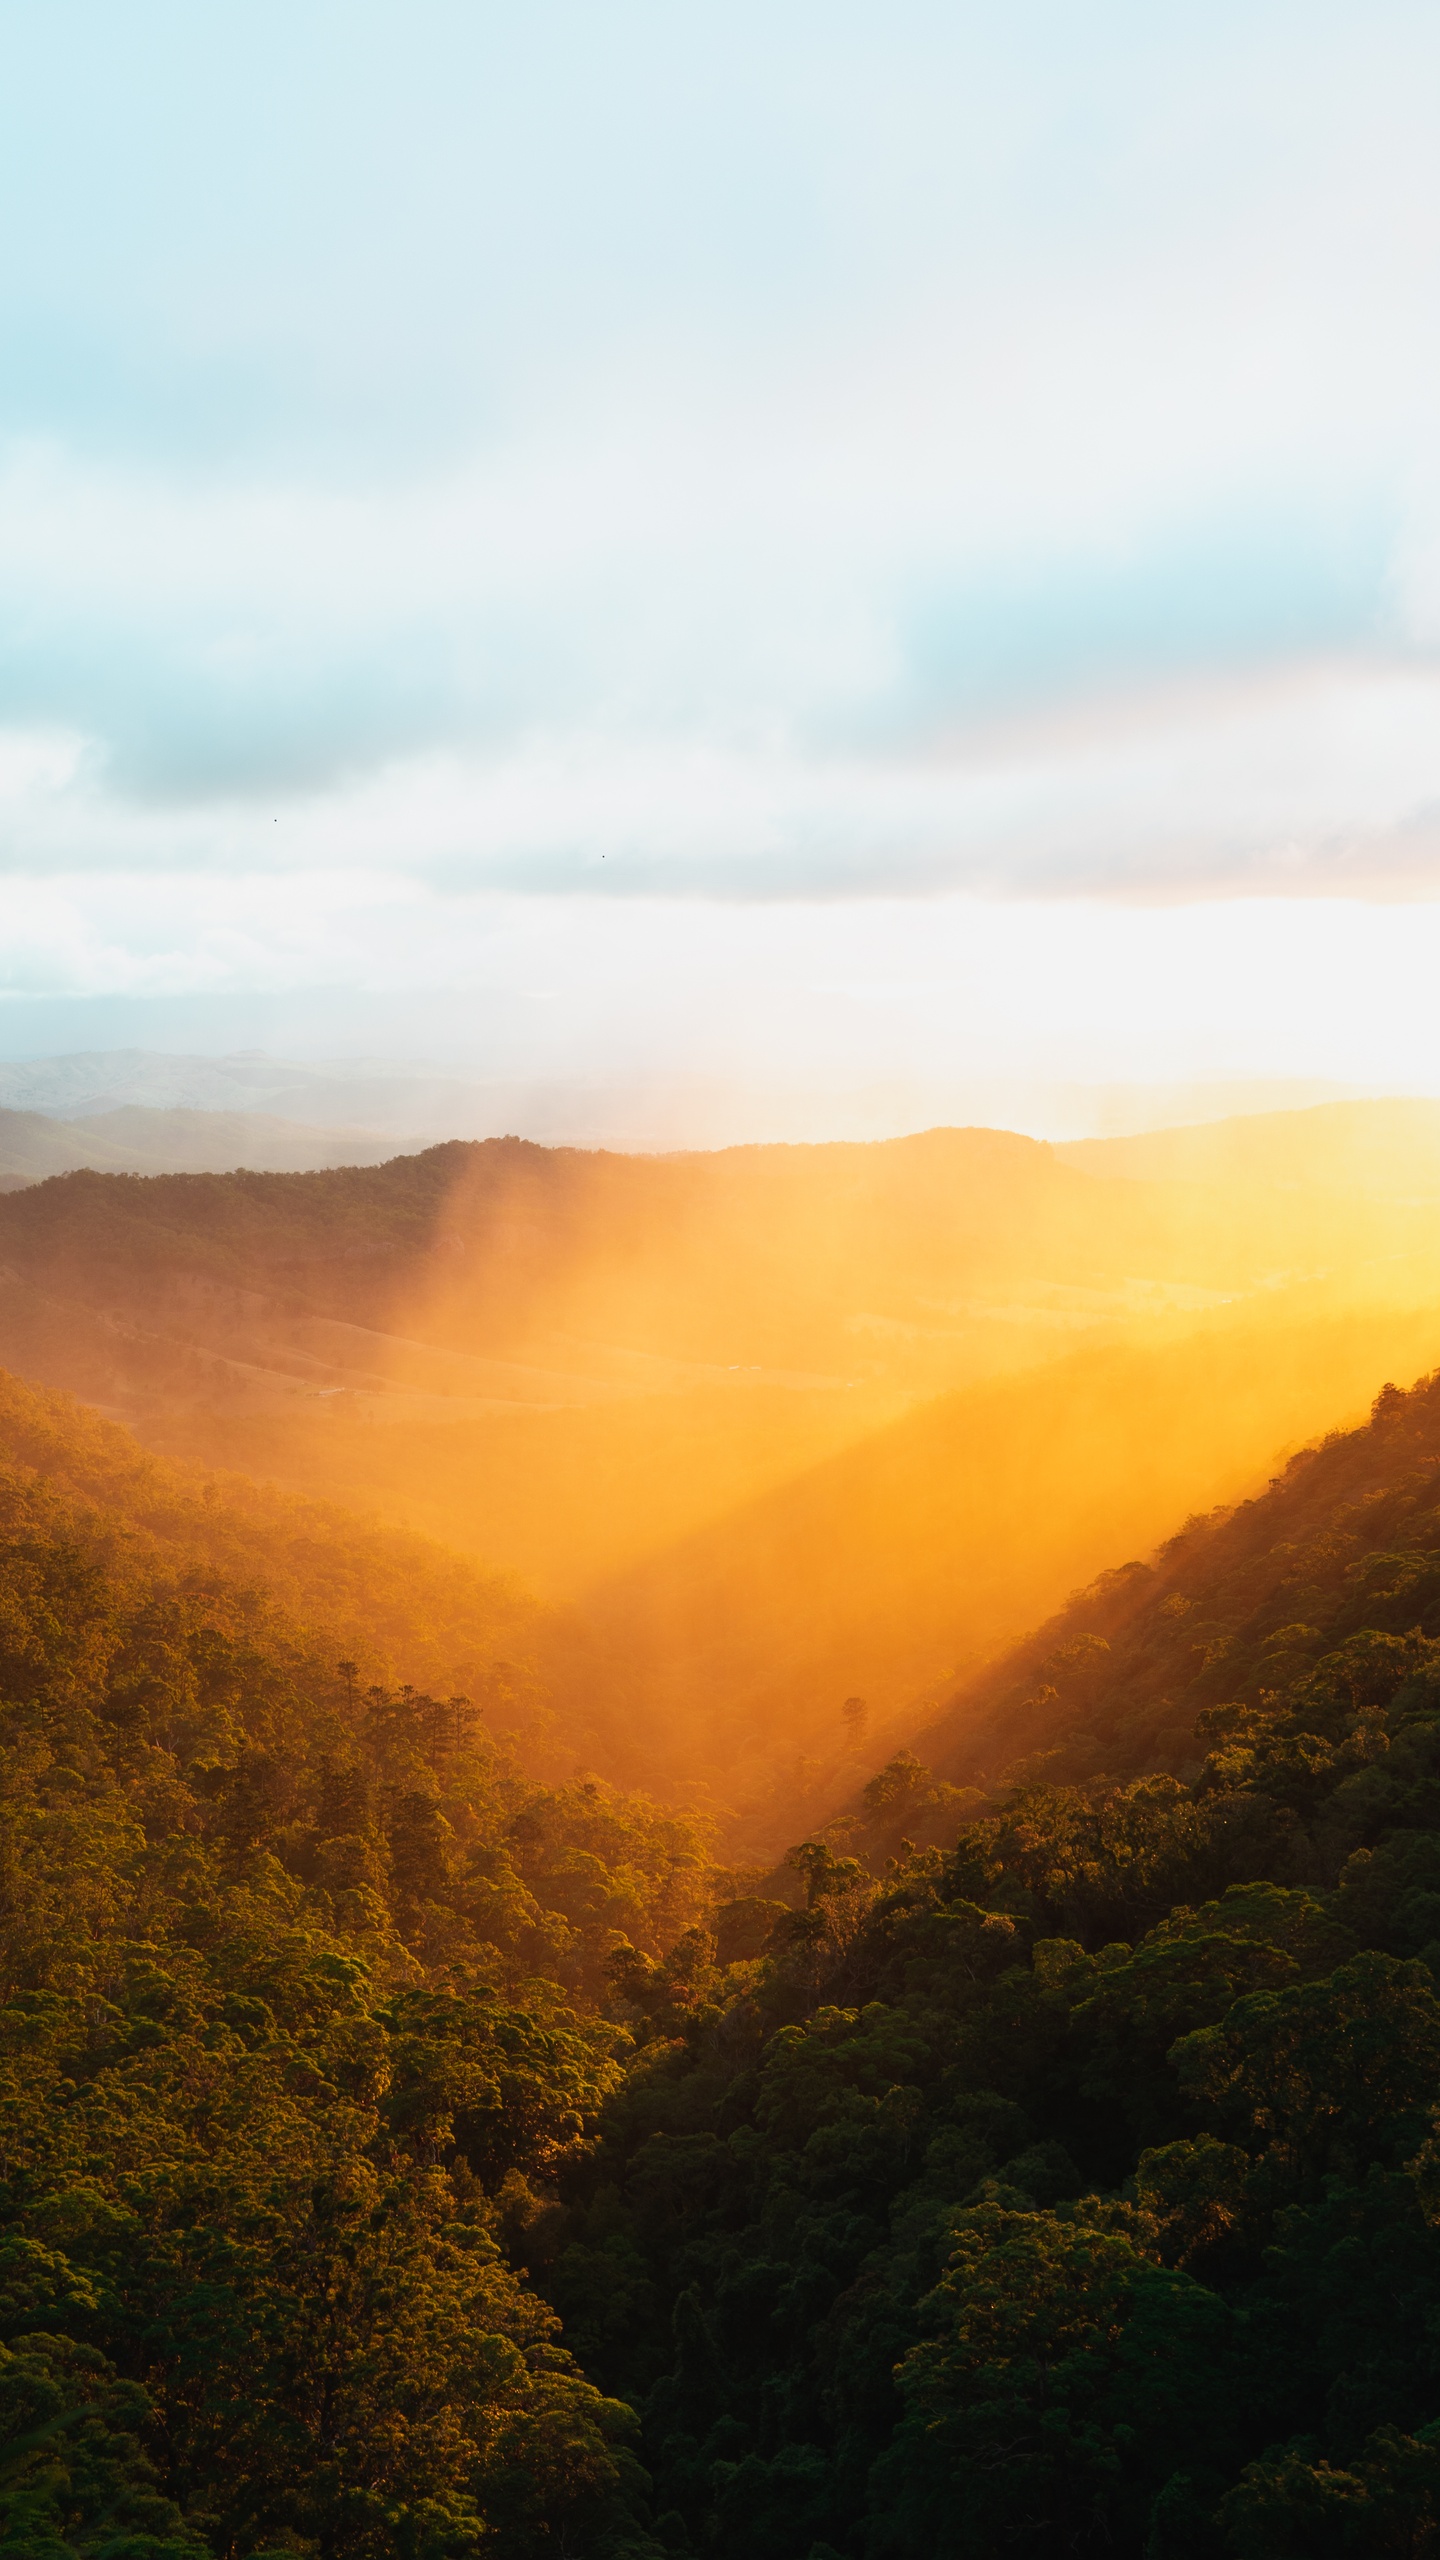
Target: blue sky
774, 457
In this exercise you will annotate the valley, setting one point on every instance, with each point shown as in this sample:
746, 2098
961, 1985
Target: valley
760, 1430
640, 1798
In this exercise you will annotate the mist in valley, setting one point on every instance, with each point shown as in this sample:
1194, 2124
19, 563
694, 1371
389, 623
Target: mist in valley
759, 1431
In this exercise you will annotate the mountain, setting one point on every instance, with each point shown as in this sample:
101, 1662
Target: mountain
33, 1146
1238, 1606
414, 2144
343, 1093
394, 1604
486, 1302
1381, 1151
741, 1411
1070, 2186
926, 1548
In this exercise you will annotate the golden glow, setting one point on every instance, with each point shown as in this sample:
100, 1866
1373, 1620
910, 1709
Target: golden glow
779, 1426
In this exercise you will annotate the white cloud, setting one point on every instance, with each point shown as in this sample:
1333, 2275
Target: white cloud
817, 455
1306, 780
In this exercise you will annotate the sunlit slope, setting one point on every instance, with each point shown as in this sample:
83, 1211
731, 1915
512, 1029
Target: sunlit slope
1381, 1151
938, 1540
564, 1361
843, 1260
593, 1272
1235, 1607
395, 1605
566, 1496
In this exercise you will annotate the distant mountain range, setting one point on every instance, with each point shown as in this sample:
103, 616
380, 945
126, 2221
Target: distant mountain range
344, 1095
142, 1111
407, 1100
137, 1139
214, 1114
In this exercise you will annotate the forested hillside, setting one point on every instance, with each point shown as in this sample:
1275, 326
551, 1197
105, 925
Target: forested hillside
888, 1568
300, 1984
389, 1602
1043, 2158
1073, 2186
1238, 1606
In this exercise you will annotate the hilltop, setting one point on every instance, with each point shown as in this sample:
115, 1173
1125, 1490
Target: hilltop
1382, 1151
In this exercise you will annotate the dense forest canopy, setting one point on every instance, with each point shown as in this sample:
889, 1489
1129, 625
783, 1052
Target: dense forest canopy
301, 1985
1074, 2185
399, 2154
378, 1596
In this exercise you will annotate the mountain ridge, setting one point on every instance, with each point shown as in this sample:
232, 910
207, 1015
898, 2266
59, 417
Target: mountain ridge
36, 1146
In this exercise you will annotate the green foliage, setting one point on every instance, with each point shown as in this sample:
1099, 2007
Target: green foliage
1063, 2379
1294, 2505
1330, 2074
1076, 2190
298, 2008
80, 1497
74, 2476
1071, 2185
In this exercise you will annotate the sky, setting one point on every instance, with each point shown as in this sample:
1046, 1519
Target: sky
787, 542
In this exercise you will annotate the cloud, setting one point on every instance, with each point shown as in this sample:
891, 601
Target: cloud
804, 454
1312, 780
534, 676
